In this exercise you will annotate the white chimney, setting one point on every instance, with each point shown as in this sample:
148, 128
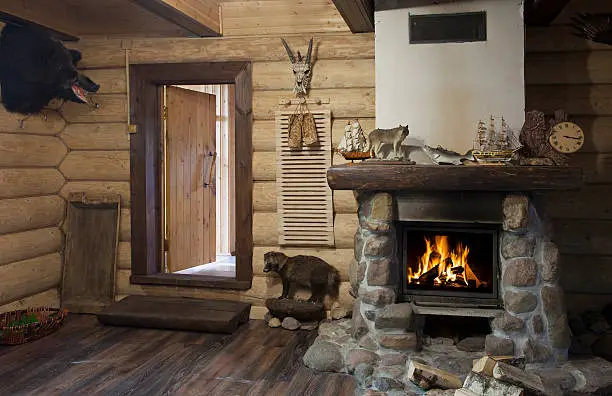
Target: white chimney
441, 90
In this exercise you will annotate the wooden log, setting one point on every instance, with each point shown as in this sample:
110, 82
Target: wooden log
558, 39
29, 244
516, 376
124, 255
428, 377
344, 202
597, 167
484, 385
22, 214
125, 226
264, 197
264, 132
110, 80
568, 68
578, 100
343, 102
48, 298
583, 274
586, 237
113, 108
47, 122
99, 187
108, 53
249, 18
28, 277
303, 311
261, 289
265, 229
334, 73
339, 258
486, 364
111, 136
345, 226
18, 150
264, 166
428, 277
585, 204
29, 182
97, 165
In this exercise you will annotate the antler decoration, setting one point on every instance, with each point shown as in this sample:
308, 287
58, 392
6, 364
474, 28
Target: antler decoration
301, 69
593, 27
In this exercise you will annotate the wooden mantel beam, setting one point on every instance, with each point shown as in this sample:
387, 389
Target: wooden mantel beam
358, 14
198, 16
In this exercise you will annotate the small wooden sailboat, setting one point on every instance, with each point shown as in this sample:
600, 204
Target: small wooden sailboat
353, 144
493, 148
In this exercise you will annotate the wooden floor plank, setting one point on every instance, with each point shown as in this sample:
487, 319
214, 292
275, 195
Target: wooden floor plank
87, 358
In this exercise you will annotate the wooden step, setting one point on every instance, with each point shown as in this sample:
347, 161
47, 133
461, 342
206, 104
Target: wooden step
177, 313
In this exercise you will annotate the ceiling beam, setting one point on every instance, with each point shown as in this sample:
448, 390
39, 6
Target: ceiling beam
200, 17
358, 14
55, 19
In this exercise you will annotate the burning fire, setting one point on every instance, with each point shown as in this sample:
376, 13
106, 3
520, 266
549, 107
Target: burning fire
442, 266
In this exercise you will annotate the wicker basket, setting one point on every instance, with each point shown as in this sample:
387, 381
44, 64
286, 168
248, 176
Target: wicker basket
44, 322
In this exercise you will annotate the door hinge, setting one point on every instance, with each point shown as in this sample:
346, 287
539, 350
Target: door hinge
165, 113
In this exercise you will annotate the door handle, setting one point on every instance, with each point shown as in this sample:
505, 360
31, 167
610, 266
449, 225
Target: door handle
211, 158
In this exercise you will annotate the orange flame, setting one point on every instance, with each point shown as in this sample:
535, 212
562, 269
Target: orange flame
452, 264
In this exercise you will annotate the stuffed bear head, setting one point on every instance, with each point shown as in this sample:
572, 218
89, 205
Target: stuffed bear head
36, 68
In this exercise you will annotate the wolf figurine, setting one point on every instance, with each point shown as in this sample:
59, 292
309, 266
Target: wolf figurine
394, 136
306, 271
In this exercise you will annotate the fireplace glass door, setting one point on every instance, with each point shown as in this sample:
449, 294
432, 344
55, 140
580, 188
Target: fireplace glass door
448, 259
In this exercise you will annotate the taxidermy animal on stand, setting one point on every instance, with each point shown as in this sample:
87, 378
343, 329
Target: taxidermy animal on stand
305, 271
36, 68
394, 136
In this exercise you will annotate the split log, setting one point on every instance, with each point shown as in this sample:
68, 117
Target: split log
47, 122
428, 377
486, 364
29, 244
112, 136
484, 385
457, 270
25, 278
29, 182
338, 258
303, 311
112, 108
22, 214
515, 376
97, 165
93, 188
428, 277
465, 392
48, 298
18, 150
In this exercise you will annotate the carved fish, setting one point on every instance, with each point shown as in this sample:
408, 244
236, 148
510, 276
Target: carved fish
442, 156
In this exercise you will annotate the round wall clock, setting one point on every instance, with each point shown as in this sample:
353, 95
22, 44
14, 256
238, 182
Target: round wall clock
566, 137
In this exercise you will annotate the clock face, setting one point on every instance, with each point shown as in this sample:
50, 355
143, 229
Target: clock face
566, 137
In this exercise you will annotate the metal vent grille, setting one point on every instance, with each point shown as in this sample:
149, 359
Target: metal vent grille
448, 28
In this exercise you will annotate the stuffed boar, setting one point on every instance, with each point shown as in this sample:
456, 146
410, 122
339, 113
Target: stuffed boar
36, 68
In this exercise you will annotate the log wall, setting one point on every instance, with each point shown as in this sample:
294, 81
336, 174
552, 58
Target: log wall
344, 72
565, 72
31, 210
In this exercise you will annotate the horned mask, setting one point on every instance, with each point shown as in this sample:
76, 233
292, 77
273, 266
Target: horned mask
301, 69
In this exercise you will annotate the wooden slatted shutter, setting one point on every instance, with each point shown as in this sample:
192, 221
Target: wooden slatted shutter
304, 199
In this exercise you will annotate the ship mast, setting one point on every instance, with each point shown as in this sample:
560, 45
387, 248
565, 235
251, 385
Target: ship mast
492, 142
503, 140
482, 139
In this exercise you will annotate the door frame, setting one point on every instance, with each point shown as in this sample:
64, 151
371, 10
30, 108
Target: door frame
145, 96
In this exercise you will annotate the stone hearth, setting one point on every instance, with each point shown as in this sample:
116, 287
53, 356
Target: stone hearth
385, 333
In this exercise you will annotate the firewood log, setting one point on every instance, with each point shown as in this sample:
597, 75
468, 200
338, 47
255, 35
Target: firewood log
429, 276
428, 377
516, 376
486, 364
484, 385
457, 270
465, 392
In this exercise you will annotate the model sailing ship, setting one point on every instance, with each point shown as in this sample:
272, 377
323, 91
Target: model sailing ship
353, 144
494, 148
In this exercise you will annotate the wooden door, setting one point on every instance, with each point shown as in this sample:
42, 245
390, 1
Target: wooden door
190, 178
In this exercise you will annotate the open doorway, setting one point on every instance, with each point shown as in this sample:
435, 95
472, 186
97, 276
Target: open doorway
198, 180
147, 85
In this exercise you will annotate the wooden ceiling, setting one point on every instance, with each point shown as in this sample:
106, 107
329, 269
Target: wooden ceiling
117, 18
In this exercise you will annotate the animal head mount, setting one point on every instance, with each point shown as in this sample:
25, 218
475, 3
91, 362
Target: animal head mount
36, 68
301, 69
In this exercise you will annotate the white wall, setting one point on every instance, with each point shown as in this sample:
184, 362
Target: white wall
442, 90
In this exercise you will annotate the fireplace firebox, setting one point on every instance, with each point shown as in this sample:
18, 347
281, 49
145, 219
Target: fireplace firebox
448, 262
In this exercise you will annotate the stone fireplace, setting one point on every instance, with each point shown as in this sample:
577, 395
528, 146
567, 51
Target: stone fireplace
448, 241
